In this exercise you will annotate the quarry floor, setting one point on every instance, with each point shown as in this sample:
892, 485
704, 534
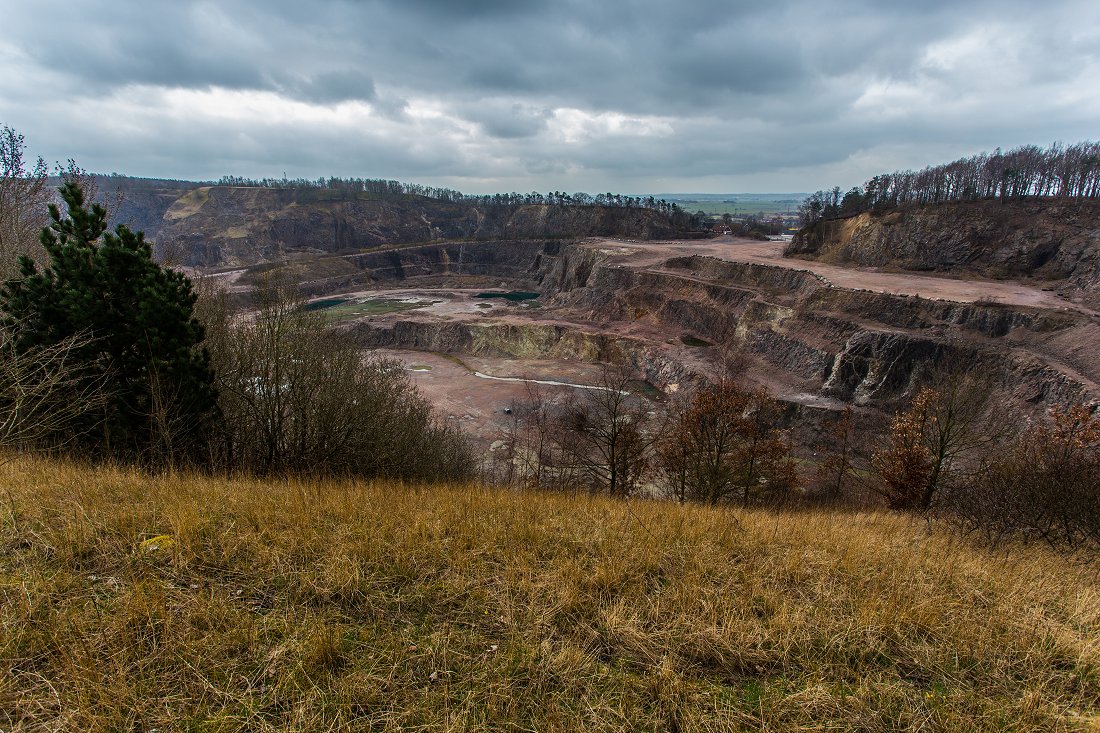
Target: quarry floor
482, 406
650, 256
460, 387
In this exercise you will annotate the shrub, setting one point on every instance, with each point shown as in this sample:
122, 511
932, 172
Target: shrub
297, 397
726, 444
1044, 487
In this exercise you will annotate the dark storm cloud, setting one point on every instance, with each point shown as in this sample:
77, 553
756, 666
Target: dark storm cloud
524, 93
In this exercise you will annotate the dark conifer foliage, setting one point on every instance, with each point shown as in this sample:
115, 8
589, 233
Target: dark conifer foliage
141, 343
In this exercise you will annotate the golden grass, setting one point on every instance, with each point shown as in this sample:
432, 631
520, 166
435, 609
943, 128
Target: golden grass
181, 603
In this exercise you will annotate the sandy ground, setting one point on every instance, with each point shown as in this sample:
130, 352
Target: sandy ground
650, 255
480, 405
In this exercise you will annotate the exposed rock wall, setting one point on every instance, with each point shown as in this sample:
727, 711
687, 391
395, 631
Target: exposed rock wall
852, 346
488, 263
221, 225
1046, 239
657, 364
861, 346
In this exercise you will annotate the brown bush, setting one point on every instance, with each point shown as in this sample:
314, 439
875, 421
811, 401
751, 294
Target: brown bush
1044, 487
726, 445
297, 397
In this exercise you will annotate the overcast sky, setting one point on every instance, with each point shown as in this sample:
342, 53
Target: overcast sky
634, 96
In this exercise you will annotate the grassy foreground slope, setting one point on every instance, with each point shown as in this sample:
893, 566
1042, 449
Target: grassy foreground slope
180, 603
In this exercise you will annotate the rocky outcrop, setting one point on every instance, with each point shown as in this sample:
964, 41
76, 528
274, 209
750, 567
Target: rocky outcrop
477, 264
513, 260
214, 226
1046, 239
860, 346
657, 364
672, 321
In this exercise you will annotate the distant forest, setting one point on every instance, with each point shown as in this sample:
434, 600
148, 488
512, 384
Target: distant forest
382, 187
1025, 172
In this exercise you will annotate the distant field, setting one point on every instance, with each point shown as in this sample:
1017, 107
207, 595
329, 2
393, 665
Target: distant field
132, 602
768, 208
738, 204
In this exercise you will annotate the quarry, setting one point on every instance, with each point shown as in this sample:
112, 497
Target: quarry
818, 335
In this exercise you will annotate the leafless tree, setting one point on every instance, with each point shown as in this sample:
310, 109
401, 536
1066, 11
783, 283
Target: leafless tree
604, 435
1040, 486
1059, 171
836, 470
530, 455
941, 438
726, 444
42, 392
24, 194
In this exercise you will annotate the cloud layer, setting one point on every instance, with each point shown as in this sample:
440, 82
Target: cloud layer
485, 95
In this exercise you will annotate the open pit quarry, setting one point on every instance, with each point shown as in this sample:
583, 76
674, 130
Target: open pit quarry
819, 335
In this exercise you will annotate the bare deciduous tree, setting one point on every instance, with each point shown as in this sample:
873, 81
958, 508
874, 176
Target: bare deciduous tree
727, 444
297, 396
1041, 486
603, 435
938, 439
42, 392
24, 194
1028, 171
836, 470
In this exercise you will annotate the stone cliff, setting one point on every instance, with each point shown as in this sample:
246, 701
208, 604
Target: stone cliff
220, 226
861, 346
1044, 239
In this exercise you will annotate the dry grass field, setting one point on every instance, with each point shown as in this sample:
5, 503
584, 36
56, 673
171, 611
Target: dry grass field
179, 603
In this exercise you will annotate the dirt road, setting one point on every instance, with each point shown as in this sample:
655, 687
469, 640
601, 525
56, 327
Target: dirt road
651, 255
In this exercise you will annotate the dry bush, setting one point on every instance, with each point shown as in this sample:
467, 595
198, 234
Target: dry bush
44, 392
296, 396
603, 436
1044, 486
529, 458
940, 439
131, 603
599, 440
725, 444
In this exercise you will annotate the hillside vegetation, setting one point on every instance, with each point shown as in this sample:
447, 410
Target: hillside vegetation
223, 225
130, 602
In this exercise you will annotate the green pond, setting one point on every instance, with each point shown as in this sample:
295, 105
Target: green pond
514, 296
318, 305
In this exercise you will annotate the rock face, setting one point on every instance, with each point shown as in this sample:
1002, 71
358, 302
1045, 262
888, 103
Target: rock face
218, 226
858, 346
1045, 239
476, 263
805, 337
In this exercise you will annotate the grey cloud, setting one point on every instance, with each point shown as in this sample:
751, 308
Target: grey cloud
505, 119
332, 86
750, 90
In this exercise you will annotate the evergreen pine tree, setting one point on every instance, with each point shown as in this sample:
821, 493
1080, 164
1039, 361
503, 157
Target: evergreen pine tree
143, 347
